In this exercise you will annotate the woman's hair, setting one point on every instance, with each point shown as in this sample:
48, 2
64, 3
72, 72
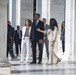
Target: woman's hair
29, 22
53, 23
62, 25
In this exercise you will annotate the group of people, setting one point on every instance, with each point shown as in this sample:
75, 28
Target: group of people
13, 36
33, 34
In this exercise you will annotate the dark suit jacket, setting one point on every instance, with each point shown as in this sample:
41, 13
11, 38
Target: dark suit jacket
35, 35
16, 36
10, 33
63, 34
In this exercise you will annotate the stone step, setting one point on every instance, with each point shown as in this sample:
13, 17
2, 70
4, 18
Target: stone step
5, 66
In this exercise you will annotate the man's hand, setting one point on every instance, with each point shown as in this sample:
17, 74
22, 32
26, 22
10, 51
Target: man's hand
30, 40
38, 29
52, 43
44, 38
61, 39
40, 41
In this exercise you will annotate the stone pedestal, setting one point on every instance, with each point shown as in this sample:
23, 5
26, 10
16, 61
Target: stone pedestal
4, 66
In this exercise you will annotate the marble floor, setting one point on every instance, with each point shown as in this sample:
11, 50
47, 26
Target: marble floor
63, 68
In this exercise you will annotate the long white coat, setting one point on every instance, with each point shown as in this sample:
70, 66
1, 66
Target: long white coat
52, 36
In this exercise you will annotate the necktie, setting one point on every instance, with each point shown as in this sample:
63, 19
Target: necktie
35, 23
19, 34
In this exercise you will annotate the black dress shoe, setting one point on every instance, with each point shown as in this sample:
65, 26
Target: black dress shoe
32, 62
39, 63
14, 57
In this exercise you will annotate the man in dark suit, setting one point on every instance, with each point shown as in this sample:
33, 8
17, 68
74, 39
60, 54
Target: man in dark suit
10, 36
37, 37
17, 39
45, 38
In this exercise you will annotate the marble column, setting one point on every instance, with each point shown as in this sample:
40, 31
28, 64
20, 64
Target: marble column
3, 28
18, 6
39, 7
70, 31
45, 10
10, 10
13, 13
42, 7
26, 11
73, 32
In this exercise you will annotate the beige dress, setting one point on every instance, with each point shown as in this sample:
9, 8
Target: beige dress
52, 36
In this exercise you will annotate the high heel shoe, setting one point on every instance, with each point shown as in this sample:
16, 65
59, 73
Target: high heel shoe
58, 60
21, 61
50, 63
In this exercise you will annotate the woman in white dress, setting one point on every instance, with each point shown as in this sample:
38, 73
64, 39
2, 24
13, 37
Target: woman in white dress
25, 44
52, 37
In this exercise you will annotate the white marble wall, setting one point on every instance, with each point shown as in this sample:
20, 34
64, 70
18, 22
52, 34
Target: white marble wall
21, 10
14, 13
51, 9
57, 10
3, 27
26, 11
43, 8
